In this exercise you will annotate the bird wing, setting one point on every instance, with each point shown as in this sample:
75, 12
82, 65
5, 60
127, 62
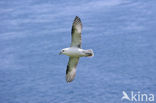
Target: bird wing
71, 68
76, 33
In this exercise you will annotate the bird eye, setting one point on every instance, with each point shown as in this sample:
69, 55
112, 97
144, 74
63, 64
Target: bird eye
62, 50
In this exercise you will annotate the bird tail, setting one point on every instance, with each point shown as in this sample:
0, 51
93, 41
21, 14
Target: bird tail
89, 53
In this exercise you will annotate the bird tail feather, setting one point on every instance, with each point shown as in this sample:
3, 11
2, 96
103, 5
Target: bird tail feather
89, 53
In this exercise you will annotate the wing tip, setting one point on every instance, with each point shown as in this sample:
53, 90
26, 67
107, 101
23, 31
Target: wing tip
77, 20
70, 75
69, 79
77, 17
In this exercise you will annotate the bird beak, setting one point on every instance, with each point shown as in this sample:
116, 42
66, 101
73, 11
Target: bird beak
60, 53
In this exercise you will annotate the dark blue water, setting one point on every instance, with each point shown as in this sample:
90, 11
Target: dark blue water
32, 32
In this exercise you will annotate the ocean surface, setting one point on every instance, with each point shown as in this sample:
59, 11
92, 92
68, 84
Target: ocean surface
122, 34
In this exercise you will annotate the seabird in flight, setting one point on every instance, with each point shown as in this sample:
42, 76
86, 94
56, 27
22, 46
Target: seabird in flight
75, 51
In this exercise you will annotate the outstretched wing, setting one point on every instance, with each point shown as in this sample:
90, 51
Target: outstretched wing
71, 68
76, 33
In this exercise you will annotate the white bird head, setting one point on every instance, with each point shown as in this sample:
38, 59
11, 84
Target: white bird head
63, 51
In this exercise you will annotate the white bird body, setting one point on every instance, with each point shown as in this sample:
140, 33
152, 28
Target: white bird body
75, 52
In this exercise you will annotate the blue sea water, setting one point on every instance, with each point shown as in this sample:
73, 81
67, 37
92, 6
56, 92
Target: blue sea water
32, 32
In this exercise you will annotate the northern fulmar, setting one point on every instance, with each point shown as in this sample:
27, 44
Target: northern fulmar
75, 51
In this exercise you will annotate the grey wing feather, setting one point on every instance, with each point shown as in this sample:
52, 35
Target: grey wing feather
71, 68
76, 33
